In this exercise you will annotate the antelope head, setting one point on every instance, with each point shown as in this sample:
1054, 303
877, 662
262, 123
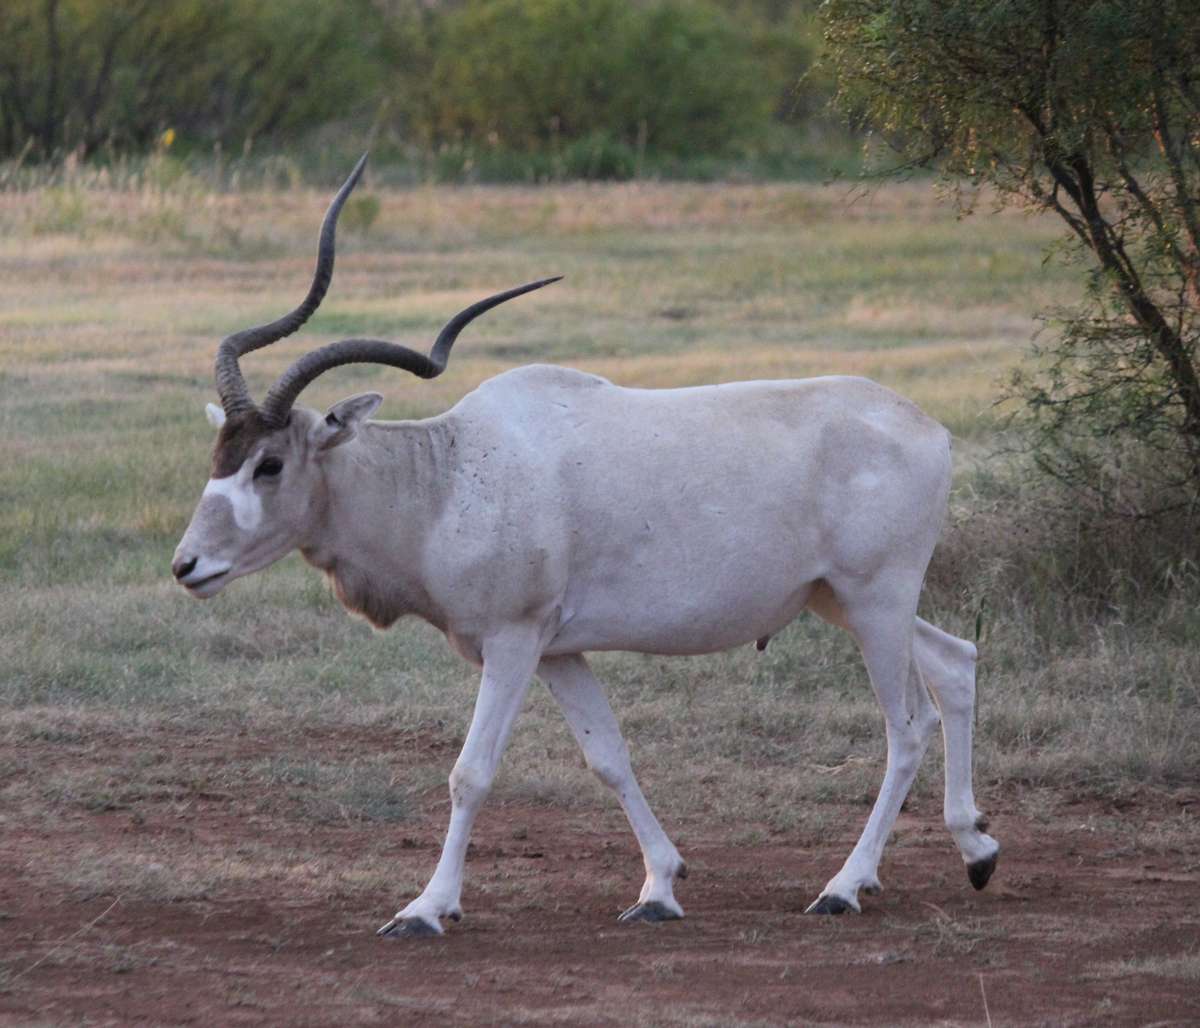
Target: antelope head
266, 484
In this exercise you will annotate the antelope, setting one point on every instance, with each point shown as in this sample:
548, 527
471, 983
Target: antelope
551, 513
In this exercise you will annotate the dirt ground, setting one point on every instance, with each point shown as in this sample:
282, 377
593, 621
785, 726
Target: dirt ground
1083, 923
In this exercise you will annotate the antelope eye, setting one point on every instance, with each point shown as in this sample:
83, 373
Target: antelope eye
268, 468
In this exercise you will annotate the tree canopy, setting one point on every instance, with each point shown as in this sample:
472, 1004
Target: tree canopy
677, 77
1089, 109
76, 75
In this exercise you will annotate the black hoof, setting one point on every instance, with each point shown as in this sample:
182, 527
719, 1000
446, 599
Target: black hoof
981, 870
652, 912
828, 905
407, 928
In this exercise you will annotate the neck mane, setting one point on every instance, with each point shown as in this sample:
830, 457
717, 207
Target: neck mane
384, 491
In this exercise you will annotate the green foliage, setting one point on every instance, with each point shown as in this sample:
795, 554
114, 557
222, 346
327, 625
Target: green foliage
482, 89
84, 74
289, 65
1090, 110
786, 38
526, 74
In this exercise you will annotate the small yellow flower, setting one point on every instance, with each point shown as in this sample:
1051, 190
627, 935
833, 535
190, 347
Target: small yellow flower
167, 138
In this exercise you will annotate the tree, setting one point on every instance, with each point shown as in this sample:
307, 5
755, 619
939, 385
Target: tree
77, 75
676, 75
1089, 109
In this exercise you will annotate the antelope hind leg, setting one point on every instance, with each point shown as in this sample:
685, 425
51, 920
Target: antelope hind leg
581, 698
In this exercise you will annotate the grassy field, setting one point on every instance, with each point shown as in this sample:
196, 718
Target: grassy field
111, 305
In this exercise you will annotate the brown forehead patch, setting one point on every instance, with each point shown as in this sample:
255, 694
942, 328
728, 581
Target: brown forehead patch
240, 434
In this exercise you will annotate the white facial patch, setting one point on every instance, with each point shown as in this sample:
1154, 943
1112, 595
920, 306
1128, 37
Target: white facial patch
239, 490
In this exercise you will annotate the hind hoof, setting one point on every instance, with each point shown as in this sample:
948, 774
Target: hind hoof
980, 871
652, 912
408, 928
828, 905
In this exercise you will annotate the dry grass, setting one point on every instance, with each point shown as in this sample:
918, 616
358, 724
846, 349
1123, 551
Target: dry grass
171, 873
1185, 966
111, 302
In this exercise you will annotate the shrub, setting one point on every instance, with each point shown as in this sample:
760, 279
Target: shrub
605, 78
1089, 110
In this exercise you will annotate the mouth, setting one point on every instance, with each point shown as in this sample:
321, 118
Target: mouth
205, 585
204, 581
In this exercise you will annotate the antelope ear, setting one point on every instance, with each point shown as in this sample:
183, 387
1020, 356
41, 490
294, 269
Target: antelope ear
215, 415
342, 422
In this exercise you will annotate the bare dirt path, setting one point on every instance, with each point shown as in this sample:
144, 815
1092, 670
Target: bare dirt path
231, 912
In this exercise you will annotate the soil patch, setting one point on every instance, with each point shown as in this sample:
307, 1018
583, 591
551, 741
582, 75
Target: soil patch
208, 902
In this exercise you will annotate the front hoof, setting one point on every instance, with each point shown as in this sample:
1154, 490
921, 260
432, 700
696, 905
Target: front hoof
980, 871
652, 912
408, 928
828, 905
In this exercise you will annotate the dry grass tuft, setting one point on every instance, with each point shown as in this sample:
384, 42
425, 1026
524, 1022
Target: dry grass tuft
1185, 966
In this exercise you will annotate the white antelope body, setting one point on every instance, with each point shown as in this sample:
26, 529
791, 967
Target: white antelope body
551, 513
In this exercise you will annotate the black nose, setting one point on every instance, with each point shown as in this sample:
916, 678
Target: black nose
183, 568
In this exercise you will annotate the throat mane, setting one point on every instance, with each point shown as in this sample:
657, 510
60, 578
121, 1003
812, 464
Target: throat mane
360, 592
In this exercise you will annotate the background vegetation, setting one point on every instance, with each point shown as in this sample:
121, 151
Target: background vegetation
491, 89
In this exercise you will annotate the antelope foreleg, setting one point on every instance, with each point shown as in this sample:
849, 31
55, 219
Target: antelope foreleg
508, 664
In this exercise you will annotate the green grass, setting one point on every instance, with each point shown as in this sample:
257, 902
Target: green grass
111, 305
